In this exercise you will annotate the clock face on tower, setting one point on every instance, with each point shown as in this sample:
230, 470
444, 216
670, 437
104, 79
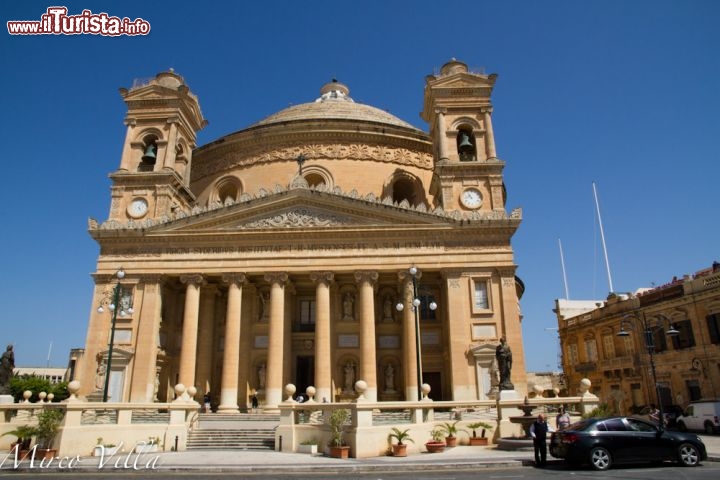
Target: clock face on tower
471, 198
138, 208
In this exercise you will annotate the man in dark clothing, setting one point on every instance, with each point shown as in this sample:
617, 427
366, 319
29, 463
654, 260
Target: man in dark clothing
538, 431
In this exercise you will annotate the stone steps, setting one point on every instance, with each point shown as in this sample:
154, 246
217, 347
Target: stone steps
234, 431
225, 439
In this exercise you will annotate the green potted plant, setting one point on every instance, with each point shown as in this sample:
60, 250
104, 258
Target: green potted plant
338, 449
101, 448
48, 425
24, 434
451, 430
151, 445
436, 445
481, 440
308, 446
399, 449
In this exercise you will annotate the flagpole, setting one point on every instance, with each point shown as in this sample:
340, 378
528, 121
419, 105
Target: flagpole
602, 239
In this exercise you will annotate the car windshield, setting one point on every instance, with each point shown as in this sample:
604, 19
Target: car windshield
582, 424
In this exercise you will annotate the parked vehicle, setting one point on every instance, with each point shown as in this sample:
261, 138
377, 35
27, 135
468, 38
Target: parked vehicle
603, 442
670, 412
702, 415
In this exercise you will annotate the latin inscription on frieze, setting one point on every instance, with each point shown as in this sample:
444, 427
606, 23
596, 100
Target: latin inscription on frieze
263, 249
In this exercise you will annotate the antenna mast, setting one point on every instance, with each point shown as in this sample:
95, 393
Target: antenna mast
562, 264
602, 238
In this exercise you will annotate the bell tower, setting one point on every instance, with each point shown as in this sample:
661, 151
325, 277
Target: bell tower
467, 173
162, 121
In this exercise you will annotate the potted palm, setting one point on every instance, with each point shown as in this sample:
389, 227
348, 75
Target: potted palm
48, 425
24, 434
451, 430
481, 440
436, 444
399, 449
338, 449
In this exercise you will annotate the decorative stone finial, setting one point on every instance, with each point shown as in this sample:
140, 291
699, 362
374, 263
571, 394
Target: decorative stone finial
290, 390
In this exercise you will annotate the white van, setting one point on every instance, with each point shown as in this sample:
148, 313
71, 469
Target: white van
702, 415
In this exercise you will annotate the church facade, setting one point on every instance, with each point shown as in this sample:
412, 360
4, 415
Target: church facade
291, 252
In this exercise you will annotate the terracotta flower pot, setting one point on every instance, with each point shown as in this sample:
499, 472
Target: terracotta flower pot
478, 441
451, 441
435, 447
339, 452
399, 450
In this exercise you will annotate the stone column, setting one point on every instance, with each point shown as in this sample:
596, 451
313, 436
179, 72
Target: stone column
489, 135
409, 340
168, 160
205, 352
442, 135
368, 362
231, 353
188, 349
323, 359
147, 302
276, 335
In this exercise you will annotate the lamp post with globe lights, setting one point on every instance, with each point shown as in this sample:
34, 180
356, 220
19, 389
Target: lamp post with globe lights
648, 328
415, 305
113, 306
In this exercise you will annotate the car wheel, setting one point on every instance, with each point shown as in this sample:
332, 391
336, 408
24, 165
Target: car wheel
689, 455
600, 458
709, 429
681, 426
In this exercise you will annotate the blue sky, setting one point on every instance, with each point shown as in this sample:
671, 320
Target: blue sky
622, 93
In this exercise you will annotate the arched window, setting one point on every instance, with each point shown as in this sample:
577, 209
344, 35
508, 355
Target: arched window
227, 190
404, 189
147, 161
466, 145
315, 180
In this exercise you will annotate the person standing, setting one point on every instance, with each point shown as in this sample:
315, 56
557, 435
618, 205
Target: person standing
538, 431
563, 419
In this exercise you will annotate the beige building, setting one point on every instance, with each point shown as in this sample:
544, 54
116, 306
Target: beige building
277, 254
687, 363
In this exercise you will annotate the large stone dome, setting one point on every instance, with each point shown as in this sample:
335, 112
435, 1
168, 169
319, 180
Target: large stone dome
334, 103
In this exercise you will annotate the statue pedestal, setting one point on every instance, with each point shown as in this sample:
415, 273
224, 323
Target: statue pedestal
389, 396
509, 395
6, 399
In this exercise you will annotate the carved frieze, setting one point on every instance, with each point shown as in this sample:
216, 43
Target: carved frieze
331, 151
297, 218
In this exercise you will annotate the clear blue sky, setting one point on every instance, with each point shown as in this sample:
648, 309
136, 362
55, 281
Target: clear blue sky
623, 93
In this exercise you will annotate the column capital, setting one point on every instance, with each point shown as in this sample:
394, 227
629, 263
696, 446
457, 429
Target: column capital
276, 277
369, 276
441, 111
196, 279
236, 278
487, 110
505, 272
325, 278
404, 276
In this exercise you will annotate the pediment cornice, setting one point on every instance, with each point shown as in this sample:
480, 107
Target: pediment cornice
307, 208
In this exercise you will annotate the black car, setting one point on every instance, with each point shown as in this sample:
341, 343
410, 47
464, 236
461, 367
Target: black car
602, 442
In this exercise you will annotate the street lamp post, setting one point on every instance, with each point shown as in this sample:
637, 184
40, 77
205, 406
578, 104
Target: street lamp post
650, 346
113, 306
414, 274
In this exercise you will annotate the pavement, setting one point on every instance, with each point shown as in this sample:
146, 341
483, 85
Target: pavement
270, 462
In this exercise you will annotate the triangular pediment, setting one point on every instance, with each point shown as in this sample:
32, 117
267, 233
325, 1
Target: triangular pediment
464, 80
301, 210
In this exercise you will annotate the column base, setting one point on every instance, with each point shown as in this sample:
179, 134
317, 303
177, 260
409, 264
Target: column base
228, 409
